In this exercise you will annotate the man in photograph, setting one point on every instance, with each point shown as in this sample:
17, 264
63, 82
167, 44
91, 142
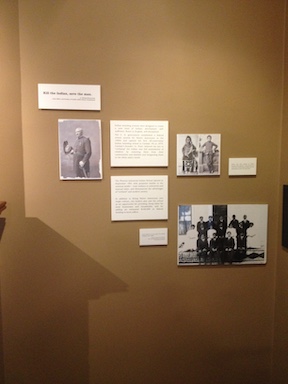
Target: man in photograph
201, 227
234, 222
81, 154
229, 246
245, 223
202, 248
209, 149
214, 249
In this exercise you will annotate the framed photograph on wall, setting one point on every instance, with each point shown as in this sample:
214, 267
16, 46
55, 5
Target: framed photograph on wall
198, 154
233, 234
80, 149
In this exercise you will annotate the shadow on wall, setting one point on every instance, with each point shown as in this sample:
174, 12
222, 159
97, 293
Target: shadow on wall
2, 226
46, 285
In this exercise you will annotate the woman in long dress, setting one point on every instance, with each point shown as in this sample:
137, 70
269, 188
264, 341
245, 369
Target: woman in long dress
189, 243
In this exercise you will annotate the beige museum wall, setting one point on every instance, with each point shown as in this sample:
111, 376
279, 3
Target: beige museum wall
81, 301
280, 365
11, 170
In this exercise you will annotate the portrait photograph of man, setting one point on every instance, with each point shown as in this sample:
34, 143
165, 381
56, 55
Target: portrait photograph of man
80, 149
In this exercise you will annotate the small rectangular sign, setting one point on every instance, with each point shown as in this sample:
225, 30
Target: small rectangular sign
153, 236
69, 96
246, 166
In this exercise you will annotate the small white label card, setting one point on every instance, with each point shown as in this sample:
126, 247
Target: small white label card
69, 96
153, 236
245, 166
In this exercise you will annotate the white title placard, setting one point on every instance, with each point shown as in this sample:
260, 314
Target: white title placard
246, 166
139, 198
153, 236
69, 96
138, 143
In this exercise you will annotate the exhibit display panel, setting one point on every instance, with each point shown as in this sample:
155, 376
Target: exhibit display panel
222, 234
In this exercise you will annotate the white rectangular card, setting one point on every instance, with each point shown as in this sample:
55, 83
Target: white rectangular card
138, 143
139, 197
69, 96
153, 236
246, 166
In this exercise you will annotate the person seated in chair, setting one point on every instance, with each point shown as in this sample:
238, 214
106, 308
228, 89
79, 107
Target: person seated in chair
214, 249
202, 248
189, 153
229, 246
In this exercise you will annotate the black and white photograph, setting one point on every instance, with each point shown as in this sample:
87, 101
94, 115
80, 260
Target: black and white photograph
198, 154
80, 149
233, 234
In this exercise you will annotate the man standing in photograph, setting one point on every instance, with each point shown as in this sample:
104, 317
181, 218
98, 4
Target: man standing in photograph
201, 227
234, 222
209, 150
245, 223
81, 154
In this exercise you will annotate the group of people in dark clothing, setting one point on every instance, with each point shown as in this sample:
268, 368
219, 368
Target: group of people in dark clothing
220, 242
